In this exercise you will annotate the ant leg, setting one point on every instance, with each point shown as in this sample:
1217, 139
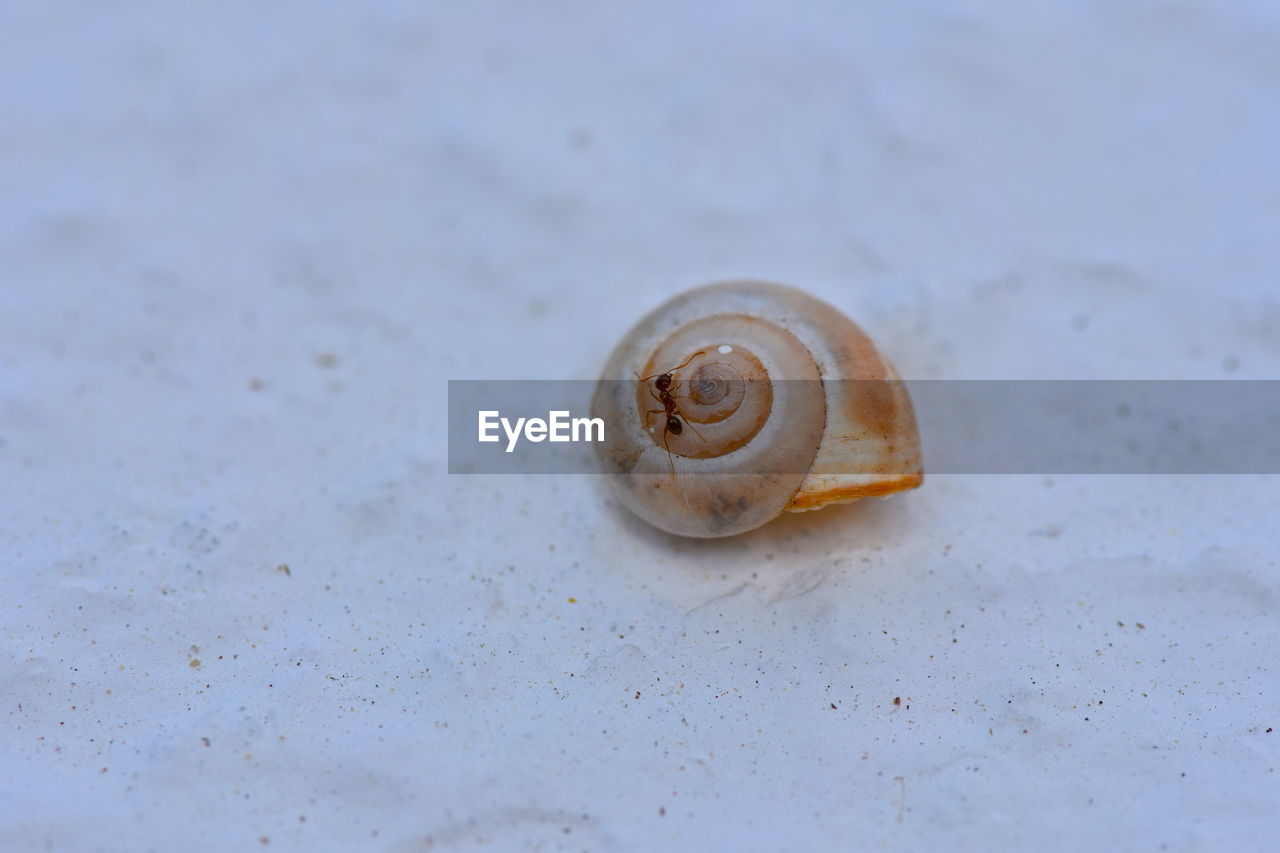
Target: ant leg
657, 399
687, 360
672, 370
670, 460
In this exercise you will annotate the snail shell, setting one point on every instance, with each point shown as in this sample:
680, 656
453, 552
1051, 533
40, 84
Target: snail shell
765, 417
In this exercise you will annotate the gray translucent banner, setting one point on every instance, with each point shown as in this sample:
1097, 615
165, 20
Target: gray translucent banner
966, 426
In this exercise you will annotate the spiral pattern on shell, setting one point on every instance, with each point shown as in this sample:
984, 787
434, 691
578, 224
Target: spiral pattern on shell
721, 412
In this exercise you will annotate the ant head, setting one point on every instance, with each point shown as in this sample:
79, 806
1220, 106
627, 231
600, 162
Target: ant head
663, 382
674, 426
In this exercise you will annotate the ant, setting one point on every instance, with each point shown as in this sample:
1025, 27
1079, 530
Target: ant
662, 392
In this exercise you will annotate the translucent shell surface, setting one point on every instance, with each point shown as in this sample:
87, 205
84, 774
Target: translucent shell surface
733, 402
